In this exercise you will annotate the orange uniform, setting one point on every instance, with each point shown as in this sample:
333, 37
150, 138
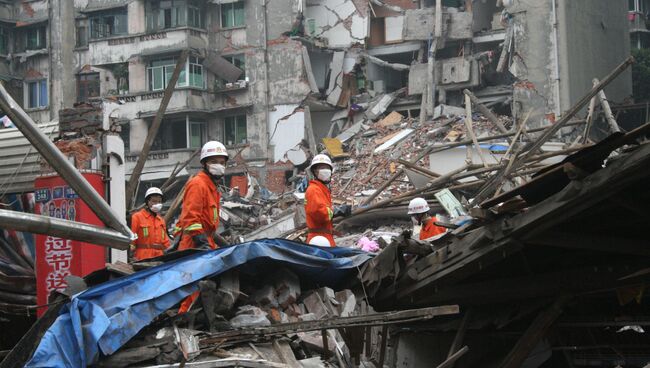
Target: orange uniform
429, 229
200, 213
152, 234
318, 210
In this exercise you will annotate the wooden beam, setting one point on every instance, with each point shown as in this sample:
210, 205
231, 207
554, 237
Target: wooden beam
578, 281
419, 169
604, 103
551, 130
606, 243
376, 319
470, 130
535, 332
153, 130
453, 358
384, 343
485, 111
460, 335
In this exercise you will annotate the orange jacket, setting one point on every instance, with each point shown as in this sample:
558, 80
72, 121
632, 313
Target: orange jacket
318, 210
152, 234
200, 213
429, 229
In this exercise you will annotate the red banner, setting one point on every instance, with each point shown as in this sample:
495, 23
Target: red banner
57, 258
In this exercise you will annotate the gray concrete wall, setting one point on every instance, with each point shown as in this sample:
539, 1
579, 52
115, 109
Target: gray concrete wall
594, 39
534, 45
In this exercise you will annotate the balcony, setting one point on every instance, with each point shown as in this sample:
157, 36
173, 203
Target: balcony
145, 104
122, 48
159, 164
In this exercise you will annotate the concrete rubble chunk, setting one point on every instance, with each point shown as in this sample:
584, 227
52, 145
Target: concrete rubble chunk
314, 304
287, 285
250, 316
347, 302
266, 296
307, 317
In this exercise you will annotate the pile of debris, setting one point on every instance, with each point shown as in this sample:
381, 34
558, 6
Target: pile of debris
378, 150
264, 303
237, 302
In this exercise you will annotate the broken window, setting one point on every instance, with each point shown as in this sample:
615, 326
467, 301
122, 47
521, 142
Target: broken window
164, 14
180, 134
235, 131
82, 36
159, 73
232, 15
35, 38
36, 93
195, 10
87, 86
4, 40
108, 24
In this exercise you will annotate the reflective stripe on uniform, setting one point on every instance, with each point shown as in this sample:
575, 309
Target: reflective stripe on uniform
330, 213
194, 227
145, 231
215, 214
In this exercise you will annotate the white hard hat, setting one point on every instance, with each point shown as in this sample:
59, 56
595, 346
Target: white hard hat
418, 205
213, 148
321, 159
320, 241
151, 191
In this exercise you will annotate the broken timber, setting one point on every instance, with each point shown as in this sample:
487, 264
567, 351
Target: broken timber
378, 319
132, 185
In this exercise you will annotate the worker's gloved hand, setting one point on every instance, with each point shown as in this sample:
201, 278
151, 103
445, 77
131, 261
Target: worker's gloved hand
343, 210
407, 234
201, 242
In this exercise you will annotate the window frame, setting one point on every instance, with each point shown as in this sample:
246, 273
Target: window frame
81, 30
41, 38
103, 15
235, 120
185, 79
232, 11
39, 83
86, 83
179, 15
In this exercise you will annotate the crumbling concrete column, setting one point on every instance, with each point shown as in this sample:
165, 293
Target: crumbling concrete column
63, 89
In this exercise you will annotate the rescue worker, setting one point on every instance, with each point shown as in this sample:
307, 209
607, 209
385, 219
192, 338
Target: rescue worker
150, 227
318, 200
199, 217
419, 211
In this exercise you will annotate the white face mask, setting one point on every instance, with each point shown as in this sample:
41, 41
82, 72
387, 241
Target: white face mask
324, 175
217, 169
156, 208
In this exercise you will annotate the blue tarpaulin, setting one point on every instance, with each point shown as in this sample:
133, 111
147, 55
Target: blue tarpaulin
105, 317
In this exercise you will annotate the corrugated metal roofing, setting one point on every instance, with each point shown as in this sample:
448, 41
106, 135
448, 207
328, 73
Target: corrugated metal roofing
19, 160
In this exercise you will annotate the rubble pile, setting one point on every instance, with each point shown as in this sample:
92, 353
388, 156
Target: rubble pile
375, 151
234, 305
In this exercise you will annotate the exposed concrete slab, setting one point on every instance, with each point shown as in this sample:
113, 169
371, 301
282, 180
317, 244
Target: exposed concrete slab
417, 79
286, 129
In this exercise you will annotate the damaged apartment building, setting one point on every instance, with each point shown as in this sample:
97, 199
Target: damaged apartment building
271, 79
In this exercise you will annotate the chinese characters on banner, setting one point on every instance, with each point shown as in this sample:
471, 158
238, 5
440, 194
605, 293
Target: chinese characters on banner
57, 258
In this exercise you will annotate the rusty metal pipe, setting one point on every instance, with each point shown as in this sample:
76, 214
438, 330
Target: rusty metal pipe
61, 164
65, 229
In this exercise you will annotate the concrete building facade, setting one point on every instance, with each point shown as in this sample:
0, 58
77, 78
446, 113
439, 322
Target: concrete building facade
271, 79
